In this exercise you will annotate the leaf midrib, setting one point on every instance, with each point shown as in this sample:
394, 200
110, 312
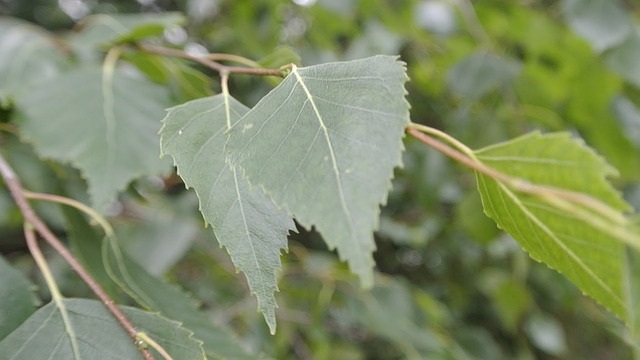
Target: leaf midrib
334, 162
558, 242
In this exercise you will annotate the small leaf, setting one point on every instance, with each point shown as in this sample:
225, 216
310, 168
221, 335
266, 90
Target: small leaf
480, 73
604, 23
623, 59
282, 55
244, 220
104, 123
324, 144
588, 253
17, 301
170, 302
95, 333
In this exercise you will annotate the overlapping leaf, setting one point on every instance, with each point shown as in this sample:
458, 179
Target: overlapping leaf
17, 301
156, 295
105, 123
581, 243
244, 220
90, 332
324, 144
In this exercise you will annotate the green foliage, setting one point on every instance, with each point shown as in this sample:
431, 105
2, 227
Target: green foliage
89, 331
322, 141
336, 133
245, 221
577, 241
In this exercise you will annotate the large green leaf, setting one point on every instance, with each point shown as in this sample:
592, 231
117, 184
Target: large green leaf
90, 332
28, 55
156, 295
324, 144
17, 301
573, 242
104, 122
244, 220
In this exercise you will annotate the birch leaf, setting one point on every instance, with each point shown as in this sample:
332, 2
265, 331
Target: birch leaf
244, 220
324, 144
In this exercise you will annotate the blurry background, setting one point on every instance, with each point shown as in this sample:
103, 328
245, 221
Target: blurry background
451, 285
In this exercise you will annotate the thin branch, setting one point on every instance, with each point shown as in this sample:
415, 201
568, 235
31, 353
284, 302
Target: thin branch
208, 62
17, 192
522, 185
74, 204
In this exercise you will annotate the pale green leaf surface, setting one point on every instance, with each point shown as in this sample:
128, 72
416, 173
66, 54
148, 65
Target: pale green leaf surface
604, 23
156, 295
17, 301
103, 124
244, 220
623, 60
480, 73
588, 255
97, 334
28, 55
324, 144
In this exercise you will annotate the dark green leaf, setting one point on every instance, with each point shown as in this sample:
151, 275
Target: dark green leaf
90, 332
245, 221
324, 144
105, 123
17, 301
156, 295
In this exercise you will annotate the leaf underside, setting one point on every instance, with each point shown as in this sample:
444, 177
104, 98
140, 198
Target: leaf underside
324, 144
590, 256
244, 220
96, 332
104, 124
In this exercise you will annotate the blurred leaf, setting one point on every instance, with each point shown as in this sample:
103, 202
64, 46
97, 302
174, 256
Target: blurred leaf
389, 312
313, 141
102, 29
86, 244
480, 73
628, 116
28, 55
92, 331
632, 286
244, 220
106, 125
589, 255
160, 234
546, 334
623, 60
185, 81
470, 216
604, 23
17, 301
170, 302
280, 56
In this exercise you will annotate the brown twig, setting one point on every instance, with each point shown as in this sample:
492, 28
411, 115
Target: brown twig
15, 188
208, 62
